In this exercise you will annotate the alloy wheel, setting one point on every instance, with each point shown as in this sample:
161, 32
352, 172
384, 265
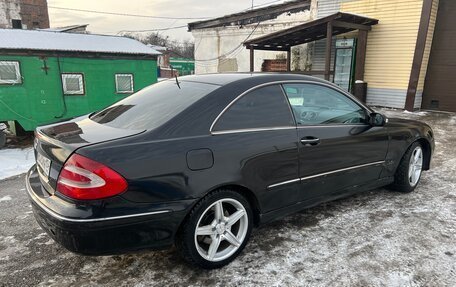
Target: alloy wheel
415, 166
221, 229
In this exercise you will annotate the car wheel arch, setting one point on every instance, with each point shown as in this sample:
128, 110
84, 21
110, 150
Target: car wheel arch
244, 191
425, 144
251, 198
247, 193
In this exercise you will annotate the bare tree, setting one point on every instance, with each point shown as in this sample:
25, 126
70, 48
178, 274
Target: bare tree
156, 39
185, 49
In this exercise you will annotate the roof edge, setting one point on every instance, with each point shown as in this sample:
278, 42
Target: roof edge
74, 54
252, 16
330, 18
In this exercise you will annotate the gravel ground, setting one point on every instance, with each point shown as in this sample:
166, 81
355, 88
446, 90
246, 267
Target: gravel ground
377, 238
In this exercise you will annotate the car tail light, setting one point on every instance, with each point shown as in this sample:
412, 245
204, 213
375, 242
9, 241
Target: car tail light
85, 179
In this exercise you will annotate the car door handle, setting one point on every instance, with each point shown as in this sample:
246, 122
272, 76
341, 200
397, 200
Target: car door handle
310, 141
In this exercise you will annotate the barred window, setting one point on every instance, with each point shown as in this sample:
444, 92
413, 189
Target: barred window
10, 72
124, 83
73, 84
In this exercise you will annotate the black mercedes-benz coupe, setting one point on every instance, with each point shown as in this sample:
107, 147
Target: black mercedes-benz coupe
199, 160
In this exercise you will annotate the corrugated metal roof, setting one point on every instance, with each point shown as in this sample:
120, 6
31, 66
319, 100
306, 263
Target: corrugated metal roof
14, 39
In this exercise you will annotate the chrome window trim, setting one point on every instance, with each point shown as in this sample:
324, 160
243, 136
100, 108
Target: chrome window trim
63, 218
252, 130
237, 99
326, 173
342, 92
290, 108
329, 85
283, 128
331, 126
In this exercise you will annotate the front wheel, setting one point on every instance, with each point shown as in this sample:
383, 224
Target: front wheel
216, 230
408, 173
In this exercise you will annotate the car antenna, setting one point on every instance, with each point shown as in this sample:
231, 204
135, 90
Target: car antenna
172, 73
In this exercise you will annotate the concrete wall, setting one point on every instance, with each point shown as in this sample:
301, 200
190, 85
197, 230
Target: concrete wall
221, 49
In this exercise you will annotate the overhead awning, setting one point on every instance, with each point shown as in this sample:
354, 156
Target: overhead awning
311, 31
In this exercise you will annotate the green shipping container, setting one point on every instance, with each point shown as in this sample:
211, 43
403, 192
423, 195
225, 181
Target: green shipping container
40, 87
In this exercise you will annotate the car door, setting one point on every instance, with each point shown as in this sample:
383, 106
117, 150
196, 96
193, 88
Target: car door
338, 148
255, 138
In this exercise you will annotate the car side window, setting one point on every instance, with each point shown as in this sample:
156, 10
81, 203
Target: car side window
319, 105
264, 107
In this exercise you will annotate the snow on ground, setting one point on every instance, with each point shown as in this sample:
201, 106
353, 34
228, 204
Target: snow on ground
5, 198
376, 238
15, 161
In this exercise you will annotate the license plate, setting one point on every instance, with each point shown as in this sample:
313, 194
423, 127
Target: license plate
44, 163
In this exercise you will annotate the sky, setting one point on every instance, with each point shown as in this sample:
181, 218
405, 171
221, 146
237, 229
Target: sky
113, 24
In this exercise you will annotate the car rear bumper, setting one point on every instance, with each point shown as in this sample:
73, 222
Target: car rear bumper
105, 235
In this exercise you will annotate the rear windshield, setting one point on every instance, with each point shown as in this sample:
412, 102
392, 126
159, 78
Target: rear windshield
152, 106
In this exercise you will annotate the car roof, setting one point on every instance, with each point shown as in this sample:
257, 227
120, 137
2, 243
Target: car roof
197, 118
227, 78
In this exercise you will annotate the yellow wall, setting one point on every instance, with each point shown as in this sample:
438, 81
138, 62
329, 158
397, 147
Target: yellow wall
391, 43
427, 51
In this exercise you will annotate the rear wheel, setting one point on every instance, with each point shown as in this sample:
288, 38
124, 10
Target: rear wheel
408, 173
216, 230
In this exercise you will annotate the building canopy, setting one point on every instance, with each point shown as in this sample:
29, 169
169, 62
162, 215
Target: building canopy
311, 31
323, 28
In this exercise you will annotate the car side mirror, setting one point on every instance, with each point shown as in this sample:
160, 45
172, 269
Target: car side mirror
377, 120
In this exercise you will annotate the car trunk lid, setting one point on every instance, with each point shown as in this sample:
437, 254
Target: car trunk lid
55, 143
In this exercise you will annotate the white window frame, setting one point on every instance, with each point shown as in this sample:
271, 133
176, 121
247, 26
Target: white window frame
18, 72
131, 82
81, 83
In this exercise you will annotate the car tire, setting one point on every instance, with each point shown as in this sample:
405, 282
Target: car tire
216, 230
408, 173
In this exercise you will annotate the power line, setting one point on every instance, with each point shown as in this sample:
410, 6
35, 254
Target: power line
264, 4
152, 30
233, 50
127, 15
185, 26
146, 16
